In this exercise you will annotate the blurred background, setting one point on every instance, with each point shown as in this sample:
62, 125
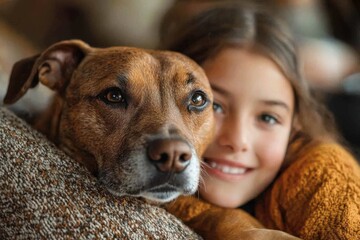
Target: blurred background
328, 33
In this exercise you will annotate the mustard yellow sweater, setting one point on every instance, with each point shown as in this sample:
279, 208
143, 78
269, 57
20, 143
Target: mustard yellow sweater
316, 197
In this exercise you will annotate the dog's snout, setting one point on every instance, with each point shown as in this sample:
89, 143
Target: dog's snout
169, 155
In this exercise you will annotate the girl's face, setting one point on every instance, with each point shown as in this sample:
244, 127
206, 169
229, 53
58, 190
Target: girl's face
254, 107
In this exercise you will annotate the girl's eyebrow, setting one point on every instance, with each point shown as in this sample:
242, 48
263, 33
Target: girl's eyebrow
219, 90
277, 103
267, 102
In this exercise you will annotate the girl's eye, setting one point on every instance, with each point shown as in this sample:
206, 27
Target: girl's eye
218, 108
268, 119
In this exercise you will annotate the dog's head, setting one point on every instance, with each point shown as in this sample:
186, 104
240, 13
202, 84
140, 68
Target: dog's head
138, 119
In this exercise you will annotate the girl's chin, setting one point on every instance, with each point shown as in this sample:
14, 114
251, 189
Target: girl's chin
225, 200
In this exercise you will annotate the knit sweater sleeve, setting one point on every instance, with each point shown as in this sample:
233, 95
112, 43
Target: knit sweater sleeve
212, 222
316, 197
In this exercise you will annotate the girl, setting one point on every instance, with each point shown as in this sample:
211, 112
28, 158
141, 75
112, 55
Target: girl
275, 152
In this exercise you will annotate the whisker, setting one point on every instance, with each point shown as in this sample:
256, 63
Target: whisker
198, 194
203, 173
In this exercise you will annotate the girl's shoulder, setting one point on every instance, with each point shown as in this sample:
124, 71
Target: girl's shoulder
321, 185
305, 154
324, 156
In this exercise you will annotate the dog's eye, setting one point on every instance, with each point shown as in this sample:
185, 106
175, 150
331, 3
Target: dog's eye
198, 101
113, 96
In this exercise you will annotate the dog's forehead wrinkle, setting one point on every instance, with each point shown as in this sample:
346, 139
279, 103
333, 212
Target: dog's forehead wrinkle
122, 79
191, 78
183, 68
104, 62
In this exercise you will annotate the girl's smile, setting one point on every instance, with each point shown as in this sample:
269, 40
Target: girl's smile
225, 169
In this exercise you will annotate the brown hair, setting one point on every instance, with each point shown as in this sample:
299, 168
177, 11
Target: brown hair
248, 25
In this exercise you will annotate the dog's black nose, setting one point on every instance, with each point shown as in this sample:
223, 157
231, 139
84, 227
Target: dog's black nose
169, 155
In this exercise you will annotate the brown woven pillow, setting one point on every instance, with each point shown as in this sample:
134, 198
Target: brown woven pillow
45, 194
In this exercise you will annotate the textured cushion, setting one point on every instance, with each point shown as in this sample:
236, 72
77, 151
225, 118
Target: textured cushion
45, 194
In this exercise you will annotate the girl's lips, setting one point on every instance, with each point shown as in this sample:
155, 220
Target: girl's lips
226, 171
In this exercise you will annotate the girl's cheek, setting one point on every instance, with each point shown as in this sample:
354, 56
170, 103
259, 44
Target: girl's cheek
273, 152
219, 121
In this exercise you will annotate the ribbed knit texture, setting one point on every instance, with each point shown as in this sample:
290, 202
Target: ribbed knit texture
316, 197
46, 195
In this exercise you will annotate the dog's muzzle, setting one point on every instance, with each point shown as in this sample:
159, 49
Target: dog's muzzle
171, 158
163, 170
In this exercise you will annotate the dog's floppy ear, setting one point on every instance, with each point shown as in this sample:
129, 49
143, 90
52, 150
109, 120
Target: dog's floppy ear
53, 68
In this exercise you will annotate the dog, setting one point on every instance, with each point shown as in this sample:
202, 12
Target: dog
138, 119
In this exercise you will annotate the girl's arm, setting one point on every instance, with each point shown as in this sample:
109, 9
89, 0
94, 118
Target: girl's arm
316, 197
213, 222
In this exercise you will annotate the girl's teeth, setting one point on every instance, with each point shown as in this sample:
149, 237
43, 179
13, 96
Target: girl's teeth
228, 169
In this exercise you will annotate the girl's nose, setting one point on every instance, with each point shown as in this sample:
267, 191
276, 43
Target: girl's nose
233, 134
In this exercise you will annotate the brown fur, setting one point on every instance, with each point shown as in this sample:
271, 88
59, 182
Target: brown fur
112, 140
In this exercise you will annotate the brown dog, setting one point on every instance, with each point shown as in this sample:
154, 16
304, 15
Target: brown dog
138, 119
